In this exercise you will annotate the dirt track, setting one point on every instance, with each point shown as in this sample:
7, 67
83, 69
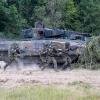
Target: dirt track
13, 78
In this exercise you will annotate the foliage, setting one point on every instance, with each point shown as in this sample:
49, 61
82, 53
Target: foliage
10, 20
77, 15
89, 16
79, 91
70, 16
91, 55
16, 22
3, 16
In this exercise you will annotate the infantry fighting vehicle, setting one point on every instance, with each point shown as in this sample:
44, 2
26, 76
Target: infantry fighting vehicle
34, 39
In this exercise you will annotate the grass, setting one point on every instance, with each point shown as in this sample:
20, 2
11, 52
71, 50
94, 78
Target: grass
71, 92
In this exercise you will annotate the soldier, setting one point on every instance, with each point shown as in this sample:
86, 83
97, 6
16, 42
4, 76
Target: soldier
44, 57
14, 56
47, 57
55, 54
61, 55
67, 62
74, 53
39, 27
66, 56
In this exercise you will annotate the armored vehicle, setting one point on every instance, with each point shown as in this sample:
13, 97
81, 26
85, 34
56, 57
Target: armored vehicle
60, 52
31, 49
34, 40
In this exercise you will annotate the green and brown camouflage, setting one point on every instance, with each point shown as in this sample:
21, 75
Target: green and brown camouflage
56, 52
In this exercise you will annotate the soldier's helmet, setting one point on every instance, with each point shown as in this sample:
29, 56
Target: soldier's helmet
39, 24
14, 48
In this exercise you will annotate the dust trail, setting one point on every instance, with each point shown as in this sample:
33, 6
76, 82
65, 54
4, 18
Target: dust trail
2, 64
20, 66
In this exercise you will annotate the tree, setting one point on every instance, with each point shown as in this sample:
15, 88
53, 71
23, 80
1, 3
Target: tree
51, 12
90, 16
16, 22
3, 15
70, 16
10, 20
77, 15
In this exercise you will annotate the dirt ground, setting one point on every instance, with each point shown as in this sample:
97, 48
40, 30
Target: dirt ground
33, 75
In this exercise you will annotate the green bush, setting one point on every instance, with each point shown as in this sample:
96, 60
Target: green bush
91, 54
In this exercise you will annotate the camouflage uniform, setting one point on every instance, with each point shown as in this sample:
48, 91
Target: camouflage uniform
47, 57
13, 57
67, 63
66, 60
50, 54
44, 57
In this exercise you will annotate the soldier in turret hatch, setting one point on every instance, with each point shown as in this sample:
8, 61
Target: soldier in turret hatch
39, 27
